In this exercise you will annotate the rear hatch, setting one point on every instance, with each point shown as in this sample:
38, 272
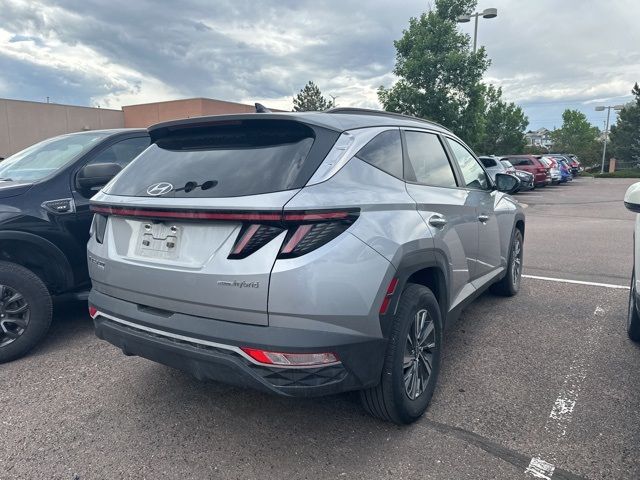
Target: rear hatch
195, 224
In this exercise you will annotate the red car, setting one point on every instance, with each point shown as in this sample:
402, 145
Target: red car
533, 165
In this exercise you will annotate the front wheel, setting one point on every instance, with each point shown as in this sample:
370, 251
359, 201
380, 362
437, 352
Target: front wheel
633, 319
25, 311
412, 360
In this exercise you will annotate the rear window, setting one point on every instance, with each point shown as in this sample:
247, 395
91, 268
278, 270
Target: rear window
230, 159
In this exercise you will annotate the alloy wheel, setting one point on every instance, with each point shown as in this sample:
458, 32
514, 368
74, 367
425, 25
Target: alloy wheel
418, 354
516, 256
14, 315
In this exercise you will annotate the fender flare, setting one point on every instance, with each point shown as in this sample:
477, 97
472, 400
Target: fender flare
411, 263
48, 248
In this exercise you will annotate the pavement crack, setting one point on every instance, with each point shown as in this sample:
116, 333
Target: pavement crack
494, 449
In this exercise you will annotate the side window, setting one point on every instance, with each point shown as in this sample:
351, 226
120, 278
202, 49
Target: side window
429, 160
488, 162
474, 175
122, 152
384, 152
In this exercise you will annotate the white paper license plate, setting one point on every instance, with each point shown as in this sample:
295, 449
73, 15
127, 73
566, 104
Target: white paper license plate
158, 240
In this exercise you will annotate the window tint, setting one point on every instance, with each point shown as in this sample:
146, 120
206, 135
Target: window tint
429, 160
229, 159
384, 152
122, 152
474, 175
488, 162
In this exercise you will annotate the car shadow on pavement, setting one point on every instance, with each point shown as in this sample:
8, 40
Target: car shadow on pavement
70, 323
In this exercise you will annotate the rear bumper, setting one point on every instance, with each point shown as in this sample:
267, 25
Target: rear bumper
218, 356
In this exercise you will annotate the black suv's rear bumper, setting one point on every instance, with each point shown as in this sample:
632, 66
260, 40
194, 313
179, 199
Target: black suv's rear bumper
219, 358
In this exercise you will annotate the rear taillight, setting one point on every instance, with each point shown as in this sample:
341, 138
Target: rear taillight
98, 227
306, 231
291, 359
542, 169
253, 237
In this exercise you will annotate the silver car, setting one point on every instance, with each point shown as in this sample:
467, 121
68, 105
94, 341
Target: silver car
632, 202
302, 253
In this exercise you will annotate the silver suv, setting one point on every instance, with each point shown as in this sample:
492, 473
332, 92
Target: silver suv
301, 254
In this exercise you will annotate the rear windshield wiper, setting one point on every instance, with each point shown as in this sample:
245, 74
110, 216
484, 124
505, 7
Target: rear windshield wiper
6, 179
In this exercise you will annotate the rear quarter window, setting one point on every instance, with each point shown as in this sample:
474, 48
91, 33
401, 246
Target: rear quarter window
384, 151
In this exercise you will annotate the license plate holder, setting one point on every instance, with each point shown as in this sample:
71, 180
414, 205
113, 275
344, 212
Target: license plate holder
158, 240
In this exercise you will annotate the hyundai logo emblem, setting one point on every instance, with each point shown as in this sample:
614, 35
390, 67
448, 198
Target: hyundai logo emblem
158, 189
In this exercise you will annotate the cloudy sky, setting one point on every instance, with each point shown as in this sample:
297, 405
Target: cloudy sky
547, 55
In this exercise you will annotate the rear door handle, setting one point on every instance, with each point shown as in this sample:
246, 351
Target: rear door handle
483, 218
437, 221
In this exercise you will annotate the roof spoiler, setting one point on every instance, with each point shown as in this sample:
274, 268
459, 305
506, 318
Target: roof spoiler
261, 108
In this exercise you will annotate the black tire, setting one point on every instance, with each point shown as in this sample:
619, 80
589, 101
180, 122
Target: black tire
510, 283
390, 400
633, 319
35, 295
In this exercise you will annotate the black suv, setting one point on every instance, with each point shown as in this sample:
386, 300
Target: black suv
44, 225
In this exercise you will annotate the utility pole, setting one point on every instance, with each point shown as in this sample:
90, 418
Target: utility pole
606, 129
333, 98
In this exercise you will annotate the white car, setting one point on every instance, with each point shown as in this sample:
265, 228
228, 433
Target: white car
632, 202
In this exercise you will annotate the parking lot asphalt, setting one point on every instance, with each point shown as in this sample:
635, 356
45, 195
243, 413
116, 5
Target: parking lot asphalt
545, 380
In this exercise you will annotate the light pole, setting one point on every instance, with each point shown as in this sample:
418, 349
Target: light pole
608, 108
486, 13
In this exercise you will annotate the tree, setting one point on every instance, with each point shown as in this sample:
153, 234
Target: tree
625, 135
310, 99
439, 76
577, 136
505, 124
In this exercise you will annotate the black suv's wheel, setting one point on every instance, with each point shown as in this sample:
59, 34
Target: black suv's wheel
510, 284
25, 310
633, 319
412, 360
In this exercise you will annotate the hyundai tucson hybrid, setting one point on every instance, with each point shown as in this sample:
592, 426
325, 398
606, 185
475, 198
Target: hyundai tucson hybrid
301, 253
44, 226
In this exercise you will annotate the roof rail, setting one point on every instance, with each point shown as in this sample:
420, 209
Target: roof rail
370, 111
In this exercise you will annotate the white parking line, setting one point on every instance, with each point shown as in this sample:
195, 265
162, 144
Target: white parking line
540, 469
564, 406
577, 282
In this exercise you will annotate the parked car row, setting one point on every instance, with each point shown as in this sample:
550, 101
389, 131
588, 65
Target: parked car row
298, 253
535, 170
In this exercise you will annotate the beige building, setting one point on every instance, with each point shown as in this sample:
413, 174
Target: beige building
25, 123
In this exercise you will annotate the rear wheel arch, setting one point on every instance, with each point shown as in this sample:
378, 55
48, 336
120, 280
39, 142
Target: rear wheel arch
40, 256
428, 268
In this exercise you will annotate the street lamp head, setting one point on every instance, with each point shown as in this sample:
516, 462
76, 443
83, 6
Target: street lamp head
490, 13
618, 107
464, 18
599, 108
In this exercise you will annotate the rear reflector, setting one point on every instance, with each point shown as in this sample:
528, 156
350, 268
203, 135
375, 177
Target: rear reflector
391, 289
93, 311
291, 359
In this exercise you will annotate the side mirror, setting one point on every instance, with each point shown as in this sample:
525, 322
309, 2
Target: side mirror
632, 198
507, 183
96, 175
